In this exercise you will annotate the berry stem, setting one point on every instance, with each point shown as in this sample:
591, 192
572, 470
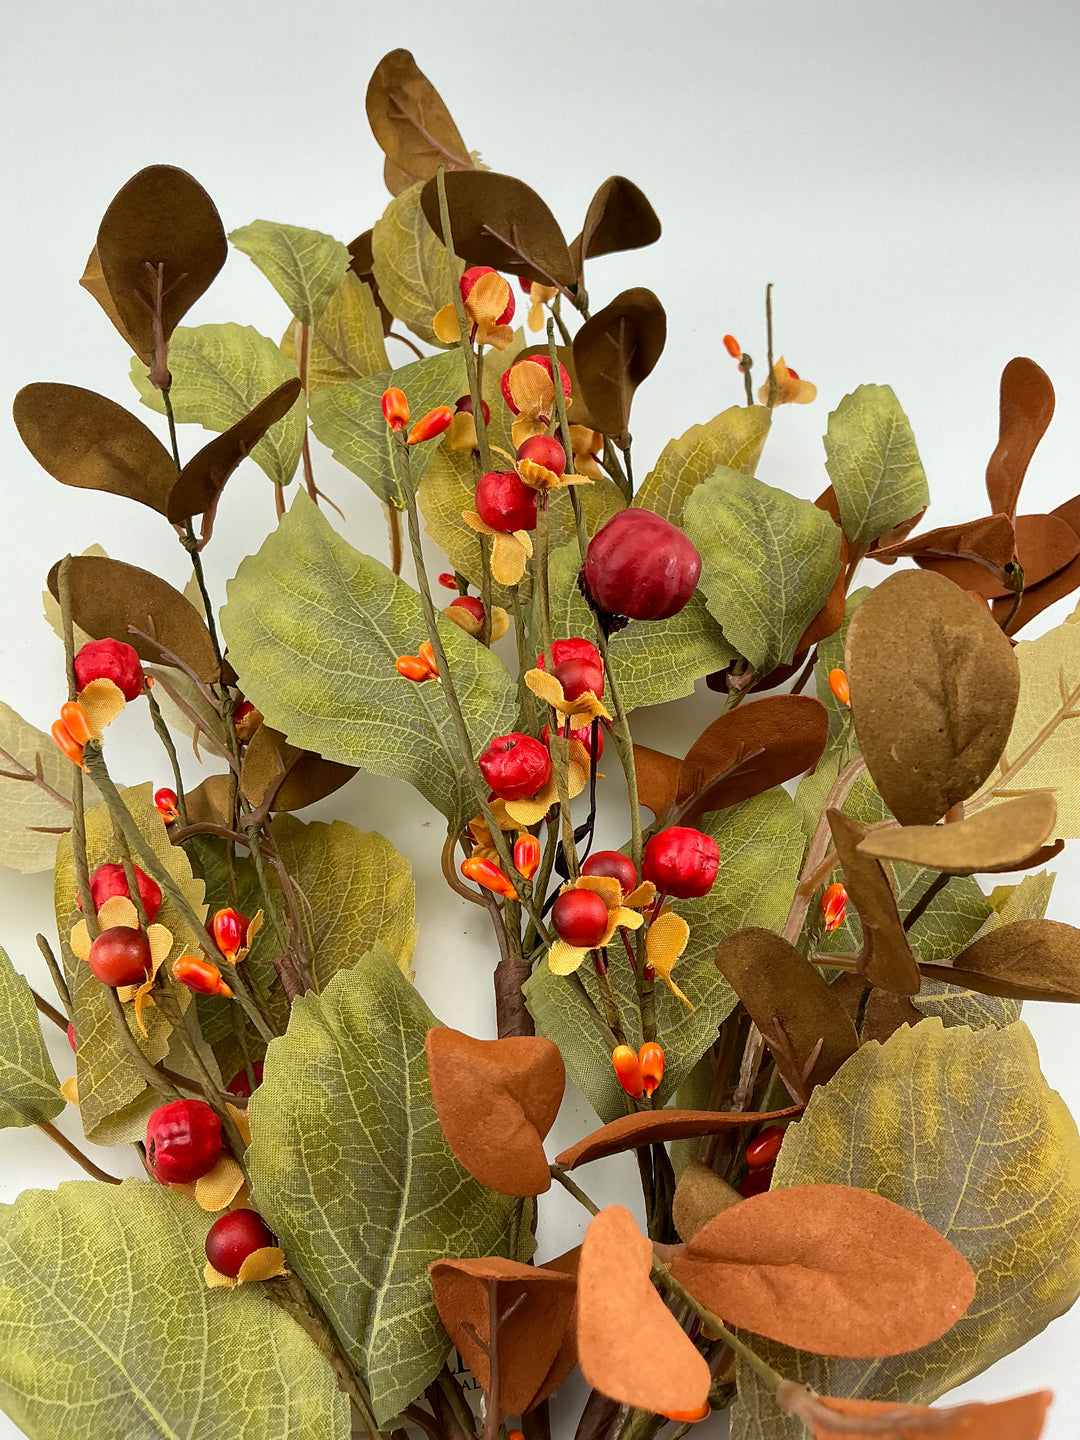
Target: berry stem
57, 975
170, 749
393, 530
72, 1150
471, 370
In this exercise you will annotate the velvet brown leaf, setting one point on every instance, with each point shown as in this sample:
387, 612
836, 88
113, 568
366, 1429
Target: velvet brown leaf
650, 1127
289, 778
500, 221
1037, 598
411, 123
1026, 960
614, 351
657, 778
1022, 1417
885, 959
990, 540
1025, 409
1001, 837
619, 217
1044, 546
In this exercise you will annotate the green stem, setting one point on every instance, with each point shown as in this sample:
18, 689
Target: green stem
662, 1276
463, 326
574, 1189
170, 749
57, 975
451, 1391
558, 744
485, 589
610, 1005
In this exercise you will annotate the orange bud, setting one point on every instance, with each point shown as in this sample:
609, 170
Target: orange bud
432, 424
490, 877
838, 684
395, 408
527, 855
427, 654
515, 1435
447, 580
628, 1069
412, 667
834, 906
67, 743
651, 1059
201, 976
77, 721
732, 346
230, 931
165, 804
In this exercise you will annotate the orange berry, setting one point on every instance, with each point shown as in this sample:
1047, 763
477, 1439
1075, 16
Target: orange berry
732, 346
482, 872
412, 667
838, 684
526, 855
67, 743
201, 976
628, 1069
395, 409
651, 1059
431, 424
165, 803
834, 906
77, 721
427, 654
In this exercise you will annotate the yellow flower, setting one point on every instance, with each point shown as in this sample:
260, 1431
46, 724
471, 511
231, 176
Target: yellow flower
790, 389
539, 296
587, 445
665, 940
509, 550
564, 959
586, 705
488, 303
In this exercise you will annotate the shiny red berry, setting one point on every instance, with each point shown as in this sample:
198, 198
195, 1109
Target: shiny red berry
505, 502
681, 862
120, 956
233, 1237
544, 450
469, 279
765, 1147
578, 676
610, 862
580, 918
515, 766
471, 604
464, 406
447, 580
241, 1085
110, 880
575, 648
183, 1141
755, 1182
641, 566
110, 660
229, 932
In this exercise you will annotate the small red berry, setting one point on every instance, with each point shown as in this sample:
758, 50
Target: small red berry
544, 361
110, 880
241, 1085
471, 604
583, 734
515, 766
464, 406
110, 660
447, 580
469, 279
580, 917
165, 803
71, 1036
579, 677
120, 956
834, 906
681, 862
610, 862
183, 1141
765, 1147
651, 1057
755, 1182
544, 450
233, 1237
505, 502
229, 930
526, 855
641, 566
395, 409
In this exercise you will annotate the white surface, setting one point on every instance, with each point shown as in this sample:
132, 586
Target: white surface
905, 175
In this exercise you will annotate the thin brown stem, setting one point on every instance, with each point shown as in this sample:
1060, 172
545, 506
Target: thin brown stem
49, 1011
57, 974
162, 731
35, 777
72, 1150
393, 531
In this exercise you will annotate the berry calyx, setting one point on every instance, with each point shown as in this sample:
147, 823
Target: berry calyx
681, 862
543, 450
580, 917
110, 660
515, 766
615, 865
229, 930
110, 880
240, 1084
765, 1147
505, 502
233, 1237
651, 1059
641, 566
120, 956
755, 1182
544, 361
165, 803
579, 676
628, 1069
395, 409
202, 976
183, 1141
838, 684
468, 281
464, 406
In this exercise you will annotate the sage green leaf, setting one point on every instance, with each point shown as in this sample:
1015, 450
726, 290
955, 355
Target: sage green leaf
359, 893
411, 266
314, 629
736, 437
305, 267
220, 373
107, 1328
348, 419
768, 562
351, 1170
27, 802
873, 464
959, 1127
347, 340
29, 1089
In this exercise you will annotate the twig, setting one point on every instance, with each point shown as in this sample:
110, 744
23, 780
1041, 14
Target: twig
49, 1011
35, 776
57, 974
76, 1154
170, 749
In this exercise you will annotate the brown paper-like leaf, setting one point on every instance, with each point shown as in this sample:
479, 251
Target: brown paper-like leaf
208, 803
108, 597
93, 281
630, 1346
614, 352
499, 221
531, 1340
934, 686
787, 997
300, 776
87, 441
619, 217
496, 1100
1021, 1417
362, 265
411, 123
1045, 545
651, 1127
991, 539
1001, 837
657, 778
1025, 960
1026, 407
886, 959
699, 1196
197, 487
829, 1269
161, 216
1037, 598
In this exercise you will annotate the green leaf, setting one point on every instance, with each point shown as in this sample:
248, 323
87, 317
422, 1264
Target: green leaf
314, 629
768, 562
348, 419
410, 264
29, 1089
347, 341
350, 1167
24, 803
873, 464
830, 656
220, 373
736, 437
359, 893
959, 1127
106, 1328
305, 267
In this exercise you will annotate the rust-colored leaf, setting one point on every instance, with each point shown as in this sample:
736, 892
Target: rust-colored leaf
300, 777
1037, 598
885, 959
411, 123
619, 217
1021, 1417
1026, 407
614, 352
496, 1100
990, 539
1025, 960
830, 1269
1045, 545
1002, 837
499, 221
651, 1127
657, 778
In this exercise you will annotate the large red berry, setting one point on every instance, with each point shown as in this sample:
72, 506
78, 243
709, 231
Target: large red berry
469, 279
233, 1237
681, 862
610, 862
641, 566
584, 734
576, 676
241, 1085
544, 361
505, 502
544, 450
580, 918
120, 956
183, 1141
110, 660
515, 766
110, 880
576, 648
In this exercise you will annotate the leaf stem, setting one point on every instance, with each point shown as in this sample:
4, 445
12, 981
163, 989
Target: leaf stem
573, 1188
72, 1150
663, 1276
170, 749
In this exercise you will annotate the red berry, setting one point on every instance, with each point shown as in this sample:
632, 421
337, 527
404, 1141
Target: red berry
71, 1036
755, 1182
110, 660
544, 450
447, 581
469, 279
110, 880
544, 361
233, 1237
681, 862
183, 1141
240, 1085
464, 406
580, 918
471, 604
526, 284
505, 502
583, 734
765, 1147
515, 766
576, 676
641, 566
574, 649
610, 862
120, 956
229, 932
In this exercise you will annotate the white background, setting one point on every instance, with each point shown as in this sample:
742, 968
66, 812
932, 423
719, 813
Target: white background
906, 175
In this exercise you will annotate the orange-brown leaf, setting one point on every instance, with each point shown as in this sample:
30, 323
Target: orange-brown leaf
651, 1127
1020, 1418
1026, 407
657, 778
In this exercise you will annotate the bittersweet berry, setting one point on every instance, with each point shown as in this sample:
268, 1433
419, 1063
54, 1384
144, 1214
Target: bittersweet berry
165, 803
110, 660
469, 279
628, 1069
488, 875
110, 880
240, 1085
464, 406
200, 975
681, 862
183, 1141
641, 566
431, 425
229, 930
838, 684
544, 450
233, 1237
651, 1059
579, 917
765, 1147
120, 956
395, 409
505, 502
526, 855
755, 1182
834, 906
515, 766
544, 361
614, 864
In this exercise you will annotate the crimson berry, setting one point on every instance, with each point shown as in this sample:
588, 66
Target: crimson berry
755, 1182
447, 580
515, 766
610, 862
583, 734
544, 450
471, 604
240, 1085
765, 1147
641, 566
576, 676
576, 648
580, 918
229, 932
469, 279
110, 880
464, 406
681, 862
233, 1237
183, 1141
544, 361
110, 660
505, 502
120, 956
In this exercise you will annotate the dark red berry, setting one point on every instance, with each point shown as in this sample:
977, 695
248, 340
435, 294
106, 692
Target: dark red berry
464, 406
183, 1141
583, 734
681, 862
447, 580
580, 918
505, 502
110, 660
120, 956
610, 862
577, 676
765, 1147
471, 604
110, 880
544, 450
233, 1237
469, 279
241, 1085
515, 766
641, 566
755, 1182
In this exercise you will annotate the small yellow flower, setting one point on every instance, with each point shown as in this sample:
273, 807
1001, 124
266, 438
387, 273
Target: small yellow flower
463, 617
790, 389
510, 550
587, 445
534, 807
264, 1264
586, 707
539, 296
623, 912
488, 303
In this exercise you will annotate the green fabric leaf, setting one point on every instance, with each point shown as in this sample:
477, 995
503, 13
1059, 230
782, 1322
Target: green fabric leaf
350, 1167
959, 1127
347, 341
29, 1089
410, 264
220, 373
305, 267
768, 562
873, 464
348, 419
24, 803
314, 629
736, 437
107, 1328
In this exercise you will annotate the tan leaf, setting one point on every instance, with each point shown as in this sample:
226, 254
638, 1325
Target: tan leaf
1002, 837
886, 959
1025, 960
1021, 1417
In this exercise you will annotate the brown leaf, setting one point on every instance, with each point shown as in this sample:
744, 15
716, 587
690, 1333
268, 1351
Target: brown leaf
208, 803
699, 1196
885, 959
829, 1269
657, 778
1045, 545
362, 265
990, 539
108, 597
1037, 598
1021, 1417
301, 776
651, 1127
785, 995
532, 1340
499, 221
1026, 960
162, 216
934, 686
411, 123
630, 1346
87, 441
93, 281
496, 1100
614, 352
619, 217
1001, 837
1026, 407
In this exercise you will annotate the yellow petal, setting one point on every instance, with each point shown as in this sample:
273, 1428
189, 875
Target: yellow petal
142, 998
527, 812
215, 1190
475, 523
262, 1264
628, 919
255, 924
644, 895
103, 701
536, 317
444, 323
459, 616
500, 622
546, 687
461, 432
240, 1120
532, 389
79, 940
70, 1090
161, 942
487, 299
606, 886
524, 539
564, 959
679, 994
507, 560
499, 337
667, 939
214, 1278
525, 426
578, 767
118, 911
